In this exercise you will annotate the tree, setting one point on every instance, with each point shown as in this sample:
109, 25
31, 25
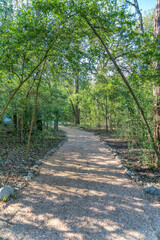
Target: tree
156, 90
136, 6
113, 60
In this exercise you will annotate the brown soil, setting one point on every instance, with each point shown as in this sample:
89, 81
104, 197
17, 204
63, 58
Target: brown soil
13, 161
133, 157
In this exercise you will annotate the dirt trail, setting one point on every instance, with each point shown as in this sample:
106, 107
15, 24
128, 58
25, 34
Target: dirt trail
81, 194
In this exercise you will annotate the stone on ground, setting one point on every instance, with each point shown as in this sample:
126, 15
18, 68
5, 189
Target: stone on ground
6, 192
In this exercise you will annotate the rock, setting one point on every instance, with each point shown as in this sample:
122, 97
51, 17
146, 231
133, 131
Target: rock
30, 175
123, 167
6, 192
130, 174
158, 235
34, 169
151, 190
140, 183
146, 185
157, 196
36, 166
19, 186
27, 178
157, 192
38, 162
136, 178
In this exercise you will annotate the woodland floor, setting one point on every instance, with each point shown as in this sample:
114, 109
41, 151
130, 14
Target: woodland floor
132, 157
14, 164
81, 193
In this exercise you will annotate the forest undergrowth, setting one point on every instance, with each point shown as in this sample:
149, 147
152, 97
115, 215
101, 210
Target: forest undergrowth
136, 159
14, 164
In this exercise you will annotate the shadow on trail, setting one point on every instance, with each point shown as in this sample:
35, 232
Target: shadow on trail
84, 196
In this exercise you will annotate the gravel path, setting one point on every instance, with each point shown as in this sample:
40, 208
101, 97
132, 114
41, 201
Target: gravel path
81, 194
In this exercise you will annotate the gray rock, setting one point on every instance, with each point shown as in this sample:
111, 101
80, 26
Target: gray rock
19, 186
34, 169
136, 178
147, 185
150, 190
27, 178
158, 235
38, 162
157, 193
30, 175
6, 192
130, 174
123, 167
140, 183
158, 198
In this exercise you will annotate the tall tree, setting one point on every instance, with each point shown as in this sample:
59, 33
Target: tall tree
136, 5
157, 19
156, 90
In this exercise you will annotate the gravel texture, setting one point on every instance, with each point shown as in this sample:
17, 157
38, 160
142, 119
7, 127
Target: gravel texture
81, 193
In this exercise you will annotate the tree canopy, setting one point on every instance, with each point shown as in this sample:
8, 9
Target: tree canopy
86, 62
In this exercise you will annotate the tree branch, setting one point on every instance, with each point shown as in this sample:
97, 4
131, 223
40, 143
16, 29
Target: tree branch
20, 85
35, 107
127, 84
136, 5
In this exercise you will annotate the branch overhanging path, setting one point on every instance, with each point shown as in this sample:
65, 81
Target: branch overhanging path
52, 42
120, 71
81, 193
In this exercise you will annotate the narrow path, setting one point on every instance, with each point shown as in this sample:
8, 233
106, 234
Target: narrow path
81, 194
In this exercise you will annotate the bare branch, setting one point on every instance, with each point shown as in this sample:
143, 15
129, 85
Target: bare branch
131, 3
136, 5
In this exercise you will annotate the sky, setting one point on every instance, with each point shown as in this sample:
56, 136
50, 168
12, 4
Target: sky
146, 4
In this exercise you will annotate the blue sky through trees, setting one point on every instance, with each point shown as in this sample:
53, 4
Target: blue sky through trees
147, 4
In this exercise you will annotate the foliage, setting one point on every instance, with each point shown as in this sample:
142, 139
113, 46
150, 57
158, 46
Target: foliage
79, 78
4, 199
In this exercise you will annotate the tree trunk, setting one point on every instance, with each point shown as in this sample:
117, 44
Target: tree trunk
156, 90
106, 115
15, 121
77, 110
39, 122
56, 125
22, 128
124, 78
157, 19
34, 111
17, 127
136, 5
